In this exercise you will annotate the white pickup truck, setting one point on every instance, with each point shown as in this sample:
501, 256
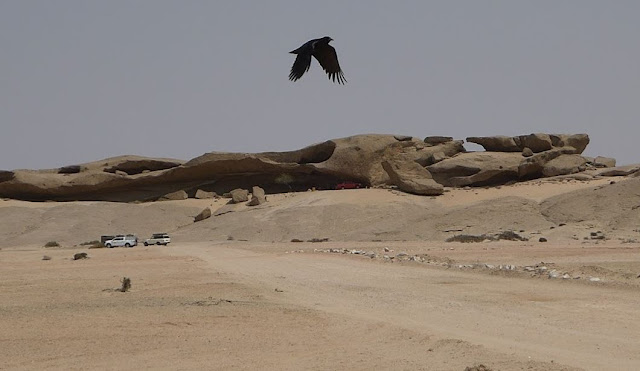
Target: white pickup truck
126, 241
158, 239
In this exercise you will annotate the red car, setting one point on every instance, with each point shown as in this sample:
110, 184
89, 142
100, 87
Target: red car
348, 185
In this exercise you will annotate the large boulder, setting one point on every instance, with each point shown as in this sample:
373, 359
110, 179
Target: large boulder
498, 143
437, 139
619, 171
174, 196
201, 194
204, 214
604, 161
403, 138
410, 177
239, 195
577, 141
531, 167
477, 168
257, 196
430, 155
563, 165
359, 158
538, 142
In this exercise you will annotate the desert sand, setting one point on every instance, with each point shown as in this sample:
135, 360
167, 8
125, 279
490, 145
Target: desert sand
385, 291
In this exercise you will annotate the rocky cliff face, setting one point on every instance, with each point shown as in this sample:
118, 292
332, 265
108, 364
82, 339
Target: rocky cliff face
414, 165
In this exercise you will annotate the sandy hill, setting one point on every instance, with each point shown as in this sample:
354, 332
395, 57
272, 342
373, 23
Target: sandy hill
558, 210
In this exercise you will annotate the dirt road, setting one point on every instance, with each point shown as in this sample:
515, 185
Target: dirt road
587, 326
249, 306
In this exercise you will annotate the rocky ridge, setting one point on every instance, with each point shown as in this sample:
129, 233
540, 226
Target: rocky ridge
413, 165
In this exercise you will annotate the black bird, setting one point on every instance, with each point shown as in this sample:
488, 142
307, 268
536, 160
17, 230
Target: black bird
324, 53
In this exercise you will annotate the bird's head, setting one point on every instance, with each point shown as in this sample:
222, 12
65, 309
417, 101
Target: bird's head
327, 39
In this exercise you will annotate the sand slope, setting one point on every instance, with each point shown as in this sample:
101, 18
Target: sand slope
536, 207
210, 302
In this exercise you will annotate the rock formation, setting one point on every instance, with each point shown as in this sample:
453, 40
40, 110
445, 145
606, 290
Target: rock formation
477, 168
239, 195
257, 196
200, 194
413, 165
204, 214
410, 177
177, 195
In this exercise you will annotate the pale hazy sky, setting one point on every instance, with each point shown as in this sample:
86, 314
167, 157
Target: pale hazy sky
85, 80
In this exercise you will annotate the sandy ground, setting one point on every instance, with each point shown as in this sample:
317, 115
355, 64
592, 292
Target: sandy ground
205, 302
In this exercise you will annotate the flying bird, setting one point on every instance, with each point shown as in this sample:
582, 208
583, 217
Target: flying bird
324, 53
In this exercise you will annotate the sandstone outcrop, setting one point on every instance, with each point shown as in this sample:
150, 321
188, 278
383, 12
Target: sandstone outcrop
538, 142
413, 165
437, 139
563, 165
257, 196
498, 143
177, 195
601, 161
410, 177
477, 168
204, 214
532, 167
431, 154
239, 195
201, 194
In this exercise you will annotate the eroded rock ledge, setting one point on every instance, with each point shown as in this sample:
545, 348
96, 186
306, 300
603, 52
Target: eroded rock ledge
413, 165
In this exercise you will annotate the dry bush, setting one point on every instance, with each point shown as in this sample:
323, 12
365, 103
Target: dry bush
52, 244
95, 244
80, 255
126, 284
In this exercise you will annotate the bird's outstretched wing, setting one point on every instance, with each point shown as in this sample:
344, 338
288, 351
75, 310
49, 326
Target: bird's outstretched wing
328, 59
300, 66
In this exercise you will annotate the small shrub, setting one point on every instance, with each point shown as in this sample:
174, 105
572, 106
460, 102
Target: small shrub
80, 255
126, 284
315, 239
95, 244
51, 244
479, 367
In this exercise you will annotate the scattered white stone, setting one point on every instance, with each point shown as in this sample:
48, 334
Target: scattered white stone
554, 274
566, 276
594, 279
